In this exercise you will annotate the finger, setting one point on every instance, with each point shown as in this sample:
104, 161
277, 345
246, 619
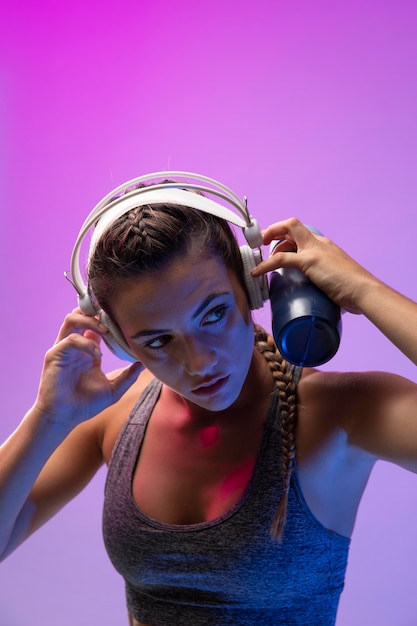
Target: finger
93, 335
291, 230
78, 323
121, 383
277, 260
74, 345
284, 245
96, 338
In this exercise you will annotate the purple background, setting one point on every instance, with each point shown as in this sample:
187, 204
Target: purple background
308, 108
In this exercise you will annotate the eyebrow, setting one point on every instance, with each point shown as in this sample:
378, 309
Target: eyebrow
200, 309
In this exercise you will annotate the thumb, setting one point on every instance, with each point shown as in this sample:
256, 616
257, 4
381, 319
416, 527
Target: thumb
125, 379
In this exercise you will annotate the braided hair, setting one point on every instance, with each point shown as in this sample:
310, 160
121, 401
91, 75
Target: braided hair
147, 239
282, 373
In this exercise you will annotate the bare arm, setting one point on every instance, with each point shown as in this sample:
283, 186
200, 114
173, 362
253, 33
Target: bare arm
377, 411
393, 313
55, 450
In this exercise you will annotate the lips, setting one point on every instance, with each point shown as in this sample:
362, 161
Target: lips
211, 386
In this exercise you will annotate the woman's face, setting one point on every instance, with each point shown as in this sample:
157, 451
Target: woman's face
190, 325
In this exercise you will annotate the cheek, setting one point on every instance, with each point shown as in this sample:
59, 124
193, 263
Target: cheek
238, 344
241, 328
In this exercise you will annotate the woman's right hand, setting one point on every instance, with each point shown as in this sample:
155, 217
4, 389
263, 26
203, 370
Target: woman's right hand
73, 387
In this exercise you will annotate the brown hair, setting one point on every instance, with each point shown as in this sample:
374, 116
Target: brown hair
147, 239
283, 373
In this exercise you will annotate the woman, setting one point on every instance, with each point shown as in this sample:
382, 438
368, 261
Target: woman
234, 478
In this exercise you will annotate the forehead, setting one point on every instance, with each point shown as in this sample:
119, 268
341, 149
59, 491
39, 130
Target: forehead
179, 287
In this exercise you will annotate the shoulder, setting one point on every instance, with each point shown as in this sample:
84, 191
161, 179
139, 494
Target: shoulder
347, 390
375, 410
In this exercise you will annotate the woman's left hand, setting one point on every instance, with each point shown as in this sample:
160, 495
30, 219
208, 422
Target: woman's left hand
346, 282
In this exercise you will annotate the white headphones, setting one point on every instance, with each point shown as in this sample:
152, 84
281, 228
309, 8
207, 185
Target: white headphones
128, 196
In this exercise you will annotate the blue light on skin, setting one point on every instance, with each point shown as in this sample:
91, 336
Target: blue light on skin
190, 325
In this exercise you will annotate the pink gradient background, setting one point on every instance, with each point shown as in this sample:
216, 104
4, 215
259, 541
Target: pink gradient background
308, 108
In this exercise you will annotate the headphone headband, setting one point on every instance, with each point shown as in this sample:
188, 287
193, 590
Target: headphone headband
203, 183
166, 188
165, 194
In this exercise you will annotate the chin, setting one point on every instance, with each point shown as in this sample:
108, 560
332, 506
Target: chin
221, 401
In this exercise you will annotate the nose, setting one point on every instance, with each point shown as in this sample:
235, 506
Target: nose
200, 358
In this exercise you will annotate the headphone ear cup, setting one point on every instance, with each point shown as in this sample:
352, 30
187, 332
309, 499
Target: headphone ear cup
257, 287
115, 341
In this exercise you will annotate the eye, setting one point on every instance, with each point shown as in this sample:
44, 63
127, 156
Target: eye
158, 342
215, 316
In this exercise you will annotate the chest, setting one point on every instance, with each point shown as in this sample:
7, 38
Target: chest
196, 567
192, 477
183, 476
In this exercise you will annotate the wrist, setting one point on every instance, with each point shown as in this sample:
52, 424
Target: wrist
369, 295
48, 422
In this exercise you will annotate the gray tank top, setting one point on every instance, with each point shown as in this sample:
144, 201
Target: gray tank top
228, 571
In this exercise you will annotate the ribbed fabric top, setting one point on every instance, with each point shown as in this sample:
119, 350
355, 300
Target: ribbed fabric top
228, 571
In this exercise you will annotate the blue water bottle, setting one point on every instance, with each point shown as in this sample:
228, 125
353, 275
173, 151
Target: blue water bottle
306, 324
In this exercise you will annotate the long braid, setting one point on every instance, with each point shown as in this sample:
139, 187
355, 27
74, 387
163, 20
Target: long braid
282, 372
